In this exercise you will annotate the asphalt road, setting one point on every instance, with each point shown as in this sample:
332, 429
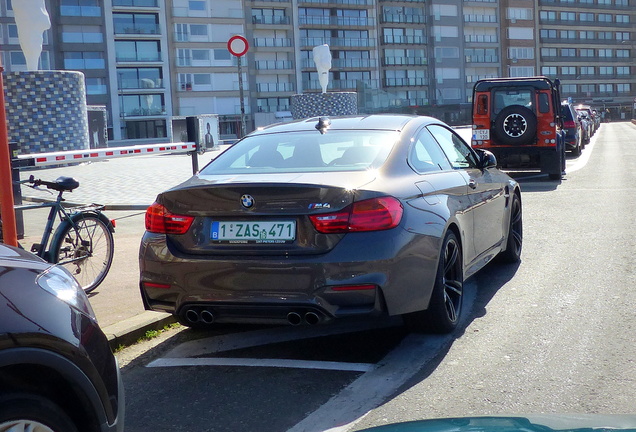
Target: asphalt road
553, 334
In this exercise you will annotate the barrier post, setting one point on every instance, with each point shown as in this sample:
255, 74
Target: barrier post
192, 129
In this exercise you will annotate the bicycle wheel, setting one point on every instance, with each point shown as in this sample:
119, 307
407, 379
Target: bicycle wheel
84, 246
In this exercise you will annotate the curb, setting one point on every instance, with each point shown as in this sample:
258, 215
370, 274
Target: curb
129, 331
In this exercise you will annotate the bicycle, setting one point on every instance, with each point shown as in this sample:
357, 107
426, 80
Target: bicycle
82, 242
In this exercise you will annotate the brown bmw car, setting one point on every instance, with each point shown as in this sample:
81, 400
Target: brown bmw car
324, 218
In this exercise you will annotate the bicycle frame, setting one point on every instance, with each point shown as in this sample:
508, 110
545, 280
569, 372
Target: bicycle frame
57, 209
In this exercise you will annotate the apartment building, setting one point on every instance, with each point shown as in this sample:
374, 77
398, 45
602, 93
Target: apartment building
148, 61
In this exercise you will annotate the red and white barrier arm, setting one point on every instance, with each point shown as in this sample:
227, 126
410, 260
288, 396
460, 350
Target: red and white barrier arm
54, 158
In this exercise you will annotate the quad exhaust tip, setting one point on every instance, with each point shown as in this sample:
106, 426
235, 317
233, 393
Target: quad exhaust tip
311, 318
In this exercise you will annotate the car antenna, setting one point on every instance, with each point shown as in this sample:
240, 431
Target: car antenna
323, 125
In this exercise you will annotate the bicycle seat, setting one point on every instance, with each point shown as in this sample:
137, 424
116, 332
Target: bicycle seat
64, 184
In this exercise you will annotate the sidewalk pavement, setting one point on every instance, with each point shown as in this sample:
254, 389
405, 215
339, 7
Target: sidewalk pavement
126, 186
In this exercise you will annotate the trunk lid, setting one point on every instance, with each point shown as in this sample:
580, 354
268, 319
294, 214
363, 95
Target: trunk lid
265, 214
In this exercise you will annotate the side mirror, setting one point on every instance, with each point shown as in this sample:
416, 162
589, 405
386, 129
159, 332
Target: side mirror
486, 159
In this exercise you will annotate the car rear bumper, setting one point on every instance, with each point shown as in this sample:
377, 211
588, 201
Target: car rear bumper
316, 288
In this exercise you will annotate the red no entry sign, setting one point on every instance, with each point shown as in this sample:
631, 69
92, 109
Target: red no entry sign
237, 45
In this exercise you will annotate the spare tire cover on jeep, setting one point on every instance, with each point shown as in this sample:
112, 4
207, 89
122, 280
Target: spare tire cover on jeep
515, 125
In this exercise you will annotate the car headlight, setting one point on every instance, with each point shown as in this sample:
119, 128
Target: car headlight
58, 281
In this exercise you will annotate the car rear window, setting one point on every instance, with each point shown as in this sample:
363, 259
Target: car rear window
306, 151
506, 97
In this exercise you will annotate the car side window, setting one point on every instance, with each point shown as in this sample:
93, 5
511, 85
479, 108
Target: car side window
426, 155
457, 151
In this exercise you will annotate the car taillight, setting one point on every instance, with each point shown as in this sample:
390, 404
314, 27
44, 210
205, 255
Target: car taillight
569, 124
160, 221
369, 215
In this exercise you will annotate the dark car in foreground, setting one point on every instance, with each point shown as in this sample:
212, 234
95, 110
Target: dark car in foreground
317, 219
57, 372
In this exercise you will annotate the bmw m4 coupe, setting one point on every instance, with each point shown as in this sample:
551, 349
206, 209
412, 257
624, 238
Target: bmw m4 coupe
324, 218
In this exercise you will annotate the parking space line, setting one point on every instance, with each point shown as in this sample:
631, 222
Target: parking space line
215, 344
251, 362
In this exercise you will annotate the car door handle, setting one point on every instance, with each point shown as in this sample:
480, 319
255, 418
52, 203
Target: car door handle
472, 184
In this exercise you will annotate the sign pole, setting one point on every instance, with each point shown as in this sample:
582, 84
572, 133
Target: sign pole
240, 80
238, 46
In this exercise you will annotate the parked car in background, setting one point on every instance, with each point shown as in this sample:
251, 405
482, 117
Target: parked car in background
519, 121
573, 129
585, 111
597, 119
587, 125
320, 219
57, 372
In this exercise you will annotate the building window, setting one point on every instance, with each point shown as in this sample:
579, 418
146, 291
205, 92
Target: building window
82, 34
622, 70
96, 86
548, 70
605, 88
586, 52
136, 23
142, 105
85, 8
222, 54
547, 16
138, 78
548, 52
568, 52
604, 18
606, 70
196, 5
568, 89
548, 33
521, 71
605, 53
567, 16
586, 17
519, 13
520, 53
622, 19
588, 88
587, 70
568, 70
624, 88
567, 34
144, 129
74, 60
137, 51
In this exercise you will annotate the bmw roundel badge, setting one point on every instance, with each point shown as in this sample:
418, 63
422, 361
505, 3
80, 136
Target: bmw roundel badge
247, 201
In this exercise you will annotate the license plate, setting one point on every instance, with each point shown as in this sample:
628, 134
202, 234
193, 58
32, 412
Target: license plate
253, 232
481, 134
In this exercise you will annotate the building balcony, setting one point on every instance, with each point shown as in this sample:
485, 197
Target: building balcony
475, 78
404, 82
336, 21
275, 87
272, 108
337, 2
338, 42
139, 84
404, 61
270, 20
481, 38
469, 18
143, 112
481, 59
136, 3
273, 64
137, 29
401, 40
402, 18
341, 84
139, 58
273, 42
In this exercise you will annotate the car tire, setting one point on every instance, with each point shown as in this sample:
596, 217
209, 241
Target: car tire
22, 411
515, 125
512, 254
445, 307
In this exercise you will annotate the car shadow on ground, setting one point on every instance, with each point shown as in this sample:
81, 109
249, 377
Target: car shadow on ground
486, 283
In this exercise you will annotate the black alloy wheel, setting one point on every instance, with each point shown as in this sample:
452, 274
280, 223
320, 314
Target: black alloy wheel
445, 307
